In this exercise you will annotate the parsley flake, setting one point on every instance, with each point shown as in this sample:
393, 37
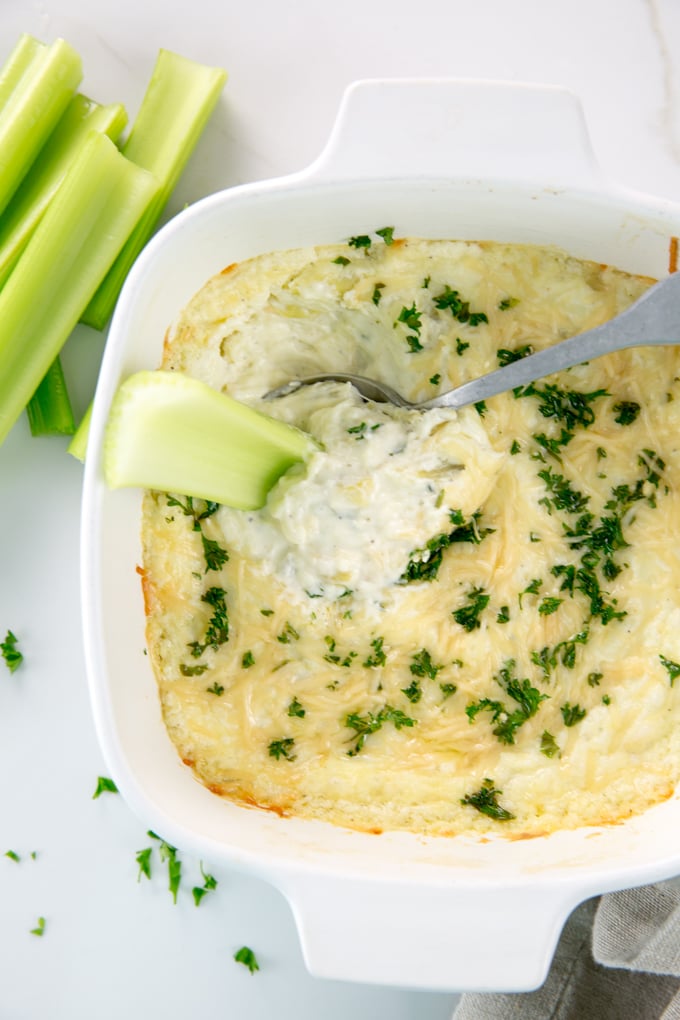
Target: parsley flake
104, 785
10, 653
468, 616
672, 668
282, 749
485, 800
247, 957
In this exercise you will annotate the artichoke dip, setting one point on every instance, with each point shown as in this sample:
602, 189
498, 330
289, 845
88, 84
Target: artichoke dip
444, 621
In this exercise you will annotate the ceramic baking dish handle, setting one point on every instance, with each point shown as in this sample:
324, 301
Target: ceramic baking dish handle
459, 128
428, 936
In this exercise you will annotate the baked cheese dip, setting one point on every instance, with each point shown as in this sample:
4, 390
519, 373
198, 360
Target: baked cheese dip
445, 621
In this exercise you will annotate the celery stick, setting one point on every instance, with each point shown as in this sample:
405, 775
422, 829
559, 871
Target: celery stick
179, 99
82, 231
49, 409
78, 445
32, 110
17, 64
173, 433
42, 180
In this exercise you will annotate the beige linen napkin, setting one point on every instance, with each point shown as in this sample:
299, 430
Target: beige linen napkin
618, 959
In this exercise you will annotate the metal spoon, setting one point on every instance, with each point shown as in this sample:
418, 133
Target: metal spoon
653, 320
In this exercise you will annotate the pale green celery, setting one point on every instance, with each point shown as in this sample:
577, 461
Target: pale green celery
179, 99
17, 64
48, 170
73, 246
78, 445
170, 432
32, 110
49, 409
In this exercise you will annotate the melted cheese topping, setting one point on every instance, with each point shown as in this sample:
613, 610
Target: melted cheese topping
446, 621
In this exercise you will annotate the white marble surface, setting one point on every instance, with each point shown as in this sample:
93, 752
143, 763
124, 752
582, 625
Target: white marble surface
114, 946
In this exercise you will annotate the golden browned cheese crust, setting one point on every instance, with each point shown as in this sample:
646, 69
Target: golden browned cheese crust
445, 622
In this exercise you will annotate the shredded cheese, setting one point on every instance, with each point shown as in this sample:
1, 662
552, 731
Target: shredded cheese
447, 621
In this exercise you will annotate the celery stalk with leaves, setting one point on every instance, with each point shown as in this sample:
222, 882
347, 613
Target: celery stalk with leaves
180, 98
84, 227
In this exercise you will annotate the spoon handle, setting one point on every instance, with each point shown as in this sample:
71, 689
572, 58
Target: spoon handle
654, 320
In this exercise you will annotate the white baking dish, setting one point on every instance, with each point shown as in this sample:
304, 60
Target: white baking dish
438, 159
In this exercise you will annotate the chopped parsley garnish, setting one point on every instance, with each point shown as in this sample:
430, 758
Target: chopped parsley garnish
508, 302
296, 710
199, 509
247, 957
216, 689
503, 615
360, 241
566, 650
425, 563
572, 714
531, 589
39, 928
333, 656
515, 447
377, 293
549, 746
562, 494
626, 411
468, 616
13, 856
422, 665
341, 260
436, 379
377, 658
143, 859
413, 692
215, 555
282, 749
104, 785
217, 631
387, 234
10, 653
411, 318
549, 605
372, 722
448, 689
168, 853
672, 668
552, 445
527, 698
209, 884
450, 299
196, 670
570, 407
247, 660
506, 356
485, 800
288, 634
461, 346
